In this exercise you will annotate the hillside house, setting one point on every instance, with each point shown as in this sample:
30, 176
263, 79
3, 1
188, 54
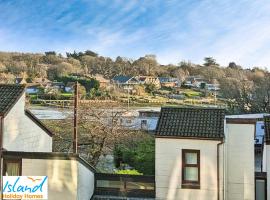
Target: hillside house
146, 80
20, 80
203, 154
125, 82
212, 87
103, 82
27, 150
32, 88
169, 82
195, 81
42, 81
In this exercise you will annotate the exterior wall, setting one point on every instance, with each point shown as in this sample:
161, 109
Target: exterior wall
267, 167
264, 158
22, 134
240, 161
169, 166
86, 183
62, 176
135, 123
67, 179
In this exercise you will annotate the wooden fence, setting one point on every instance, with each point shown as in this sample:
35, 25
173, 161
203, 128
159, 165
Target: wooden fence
125, 185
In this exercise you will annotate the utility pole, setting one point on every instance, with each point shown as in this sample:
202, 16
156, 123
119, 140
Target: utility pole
75, 125
128, 96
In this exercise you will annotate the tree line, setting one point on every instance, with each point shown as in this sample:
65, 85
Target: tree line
247, 90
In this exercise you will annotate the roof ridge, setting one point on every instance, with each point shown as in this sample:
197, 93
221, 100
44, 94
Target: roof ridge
193, 107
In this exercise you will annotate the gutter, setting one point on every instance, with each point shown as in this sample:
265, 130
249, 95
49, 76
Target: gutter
218, 177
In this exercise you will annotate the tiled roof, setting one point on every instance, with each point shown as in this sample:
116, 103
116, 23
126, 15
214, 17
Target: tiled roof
191, 122
266, 120
9, 95
122, 79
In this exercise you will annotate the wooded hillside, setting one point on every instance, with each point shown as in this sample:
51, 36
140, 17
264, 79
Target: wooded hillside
248, 90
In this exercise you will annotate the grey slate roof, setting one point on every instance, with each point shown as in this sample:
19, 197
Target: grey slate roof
121, 78
266, 120
191, 122
9, 95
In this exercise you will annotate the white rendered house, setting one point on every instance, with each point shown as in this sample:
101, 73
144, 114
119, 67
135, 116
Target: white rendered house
27, 150
203, 154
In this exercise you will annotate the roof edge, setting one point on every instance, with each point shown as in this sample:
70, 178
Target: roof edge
48, 156
190, 138
31, 116
17, 99
194, 107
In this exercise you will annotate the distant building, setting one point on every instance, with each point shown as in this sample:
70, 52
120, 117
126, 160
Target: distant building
125, 82
55, 87
169, 82
212, 87
69, 87
42, 81
32, 88
195, 81
20, 81
140, 120
149, 80
103, 82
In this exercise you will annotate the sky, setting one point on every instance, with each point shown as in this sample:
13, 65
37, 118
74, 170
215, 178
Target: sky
173, 30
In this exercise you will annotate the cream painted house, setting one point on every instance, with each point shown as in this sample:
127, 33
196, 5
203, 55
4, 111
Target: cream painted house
27, 150
203, 154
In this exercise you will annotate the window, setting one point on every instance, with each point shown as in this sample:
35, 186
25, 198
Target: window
191, 169
144, 124
12, 167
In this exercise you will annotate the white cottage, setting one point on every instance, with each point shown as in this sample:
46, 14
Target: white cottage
201, 154
27, 150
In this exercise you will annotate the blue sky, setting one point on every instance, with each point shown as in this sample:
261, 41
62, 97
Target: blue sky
174, 30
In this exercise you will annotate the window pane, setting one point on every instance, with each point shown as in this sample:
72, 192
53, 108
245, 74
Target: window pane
191, 174
12, 169
191, 158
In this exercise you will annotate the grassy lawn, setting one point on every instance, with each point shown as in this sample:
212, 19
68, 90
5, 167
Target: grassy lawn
67, 94
191, 93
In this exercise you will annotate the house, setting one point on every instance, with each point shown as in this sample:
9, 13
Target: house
125, 82
169, 82
203, 154
32, 88
54, 87
27, 150
145, 80
19, 80
69, 87
42, 81
58, 85
212, 87
195, 81
140, 120
103, 82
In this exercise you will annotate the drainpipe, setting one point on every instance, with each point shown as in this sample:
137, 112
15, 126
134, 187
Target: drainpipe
218, 177
1, 153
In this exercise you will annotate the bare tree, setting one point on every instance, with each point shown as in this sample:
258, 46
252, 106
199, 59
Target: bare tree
99, 128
